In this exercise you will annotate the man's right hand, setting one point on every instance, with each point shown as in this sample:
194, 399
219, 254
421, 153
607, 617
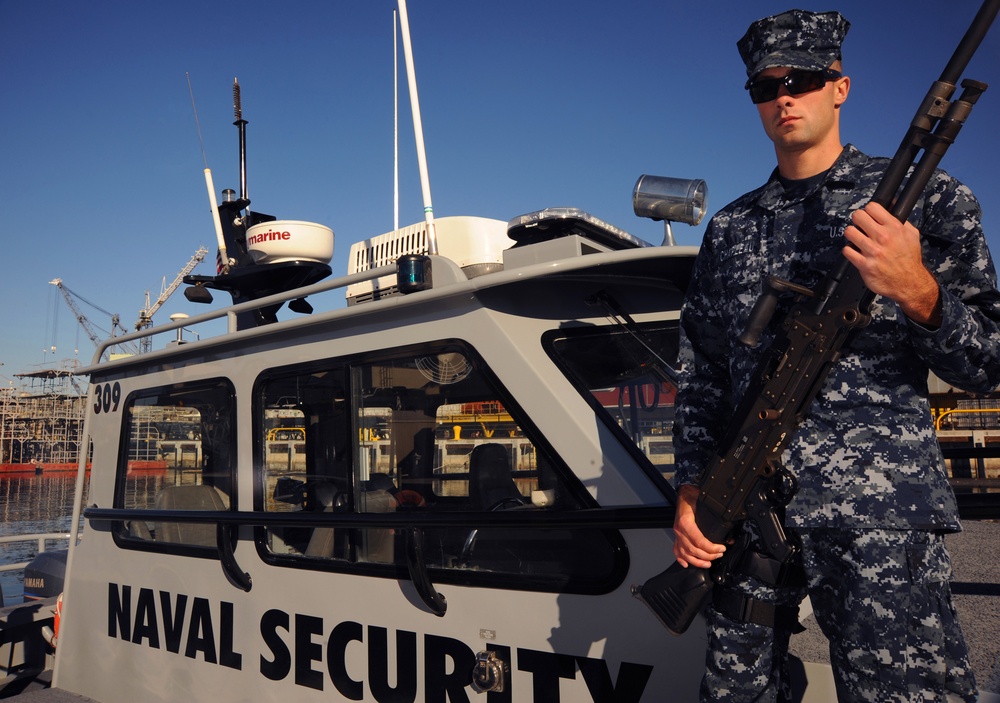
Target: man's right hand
691, 547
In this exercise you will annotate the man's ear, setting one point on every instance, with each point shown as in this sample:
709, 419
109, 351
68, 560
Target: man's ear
841, 88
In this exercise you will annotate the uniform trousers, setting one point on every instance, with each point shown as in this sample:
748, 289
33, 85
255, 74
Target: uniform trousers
881, 597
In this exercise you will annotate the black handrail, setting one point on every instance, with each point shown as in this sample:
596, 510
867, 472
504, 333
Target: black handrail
638, 517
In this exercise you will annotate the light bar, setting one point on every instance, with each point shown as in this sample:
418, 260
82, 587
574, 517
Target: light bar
556, 222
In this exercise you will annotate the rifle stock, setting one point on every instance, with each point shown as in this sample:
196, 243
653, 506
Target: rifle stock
744, 479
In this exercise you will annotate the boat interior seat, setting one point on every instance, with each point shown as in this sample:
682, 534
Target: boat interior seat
194, 497
139, 528
322, 541
378, 542
416, 469
491, 482
491, 487
379, 481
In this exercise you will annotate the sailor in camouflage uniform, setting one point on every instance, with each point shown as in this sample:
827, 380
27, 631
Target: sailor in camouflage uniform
873, 501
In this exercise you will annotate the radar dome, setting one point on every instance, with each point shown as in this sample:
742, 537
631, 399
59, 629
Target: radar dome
279, 241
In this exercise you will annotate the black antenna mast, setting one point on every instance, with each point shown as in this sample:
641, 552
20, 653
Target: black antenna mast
242, 125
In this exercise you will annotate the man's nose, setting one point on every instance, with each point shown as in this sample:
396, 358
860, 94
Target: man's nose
783, 95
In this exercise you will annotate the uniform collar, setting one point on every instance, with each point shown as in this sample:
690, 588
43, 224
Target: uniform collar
843, 175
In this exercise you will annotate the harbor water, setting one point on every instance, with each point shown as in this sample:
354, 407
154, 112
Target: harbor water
32, 503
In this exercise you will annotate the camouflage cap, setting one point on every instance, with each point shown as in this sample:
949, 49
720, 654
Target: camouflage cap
796, 38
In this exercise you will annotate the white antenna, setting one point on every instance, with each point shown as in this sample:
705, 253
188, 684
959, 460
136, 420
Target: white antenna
395, 124
418, 130
223, 256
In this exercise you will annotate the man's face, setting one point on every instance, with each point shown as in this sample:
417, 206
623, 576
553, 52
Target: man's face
797, 122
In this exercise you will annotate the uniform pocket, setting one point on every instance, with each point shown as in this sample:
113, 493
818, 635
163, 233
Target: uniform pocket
742, 267
928, 560
935, 656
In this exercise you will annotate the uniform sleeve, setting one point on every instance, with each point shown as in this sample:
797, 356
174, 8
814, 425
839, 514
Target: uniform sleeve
704, 393
965, 350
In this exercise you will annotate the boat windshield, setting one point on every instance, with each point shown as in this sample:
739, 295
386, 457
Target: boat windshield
625, 373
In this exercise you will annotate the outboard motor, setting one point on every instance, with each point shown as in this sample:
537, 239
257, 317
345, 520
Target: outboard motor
44, 575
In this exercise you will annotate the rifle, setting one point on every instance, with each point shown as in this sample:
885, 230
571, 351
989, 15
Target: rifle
744, 479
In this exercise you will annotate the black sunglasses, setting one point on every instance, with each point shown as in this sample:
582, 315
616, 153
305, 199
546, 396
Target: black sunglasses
798, 81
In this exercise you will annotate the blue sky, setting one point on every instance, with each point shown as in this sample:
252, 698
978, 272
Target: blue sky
526, 104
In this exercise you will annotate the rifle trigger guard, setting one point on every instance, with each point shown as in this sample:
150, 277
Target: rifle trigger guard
731, 560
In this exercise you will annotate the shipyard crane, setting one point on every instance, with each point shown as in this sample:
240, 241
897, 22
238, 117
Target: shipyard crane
146, 314
86, 324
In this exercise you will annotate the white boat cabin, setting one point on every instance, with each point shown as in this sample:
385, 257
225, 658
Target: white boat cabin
442, 495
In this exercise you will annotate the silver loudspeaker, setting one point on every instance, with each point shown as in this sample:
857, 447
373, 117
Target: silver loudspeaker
670, 200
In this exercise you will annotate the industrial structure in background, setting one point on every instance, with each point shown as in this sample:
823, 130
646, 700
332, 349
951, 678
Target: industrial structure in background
41, 421
968, 428
91, 330
146, 314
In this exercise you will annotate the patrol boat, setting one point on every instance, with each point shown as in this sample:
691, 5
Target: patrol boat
446, 487
444, 490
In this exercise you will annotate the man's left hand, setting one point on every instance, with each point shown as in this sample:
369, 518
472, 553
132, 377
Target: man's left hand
887, 254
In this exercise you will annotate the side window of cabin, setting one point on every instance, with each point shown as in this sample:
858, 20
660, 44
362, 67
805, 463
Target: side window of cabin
177, 454
626, 376
429, 432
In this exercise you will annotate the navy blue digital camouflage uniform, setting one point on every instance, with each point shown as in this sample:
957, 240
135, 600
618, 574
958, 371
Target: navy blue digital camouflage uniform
873, 501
